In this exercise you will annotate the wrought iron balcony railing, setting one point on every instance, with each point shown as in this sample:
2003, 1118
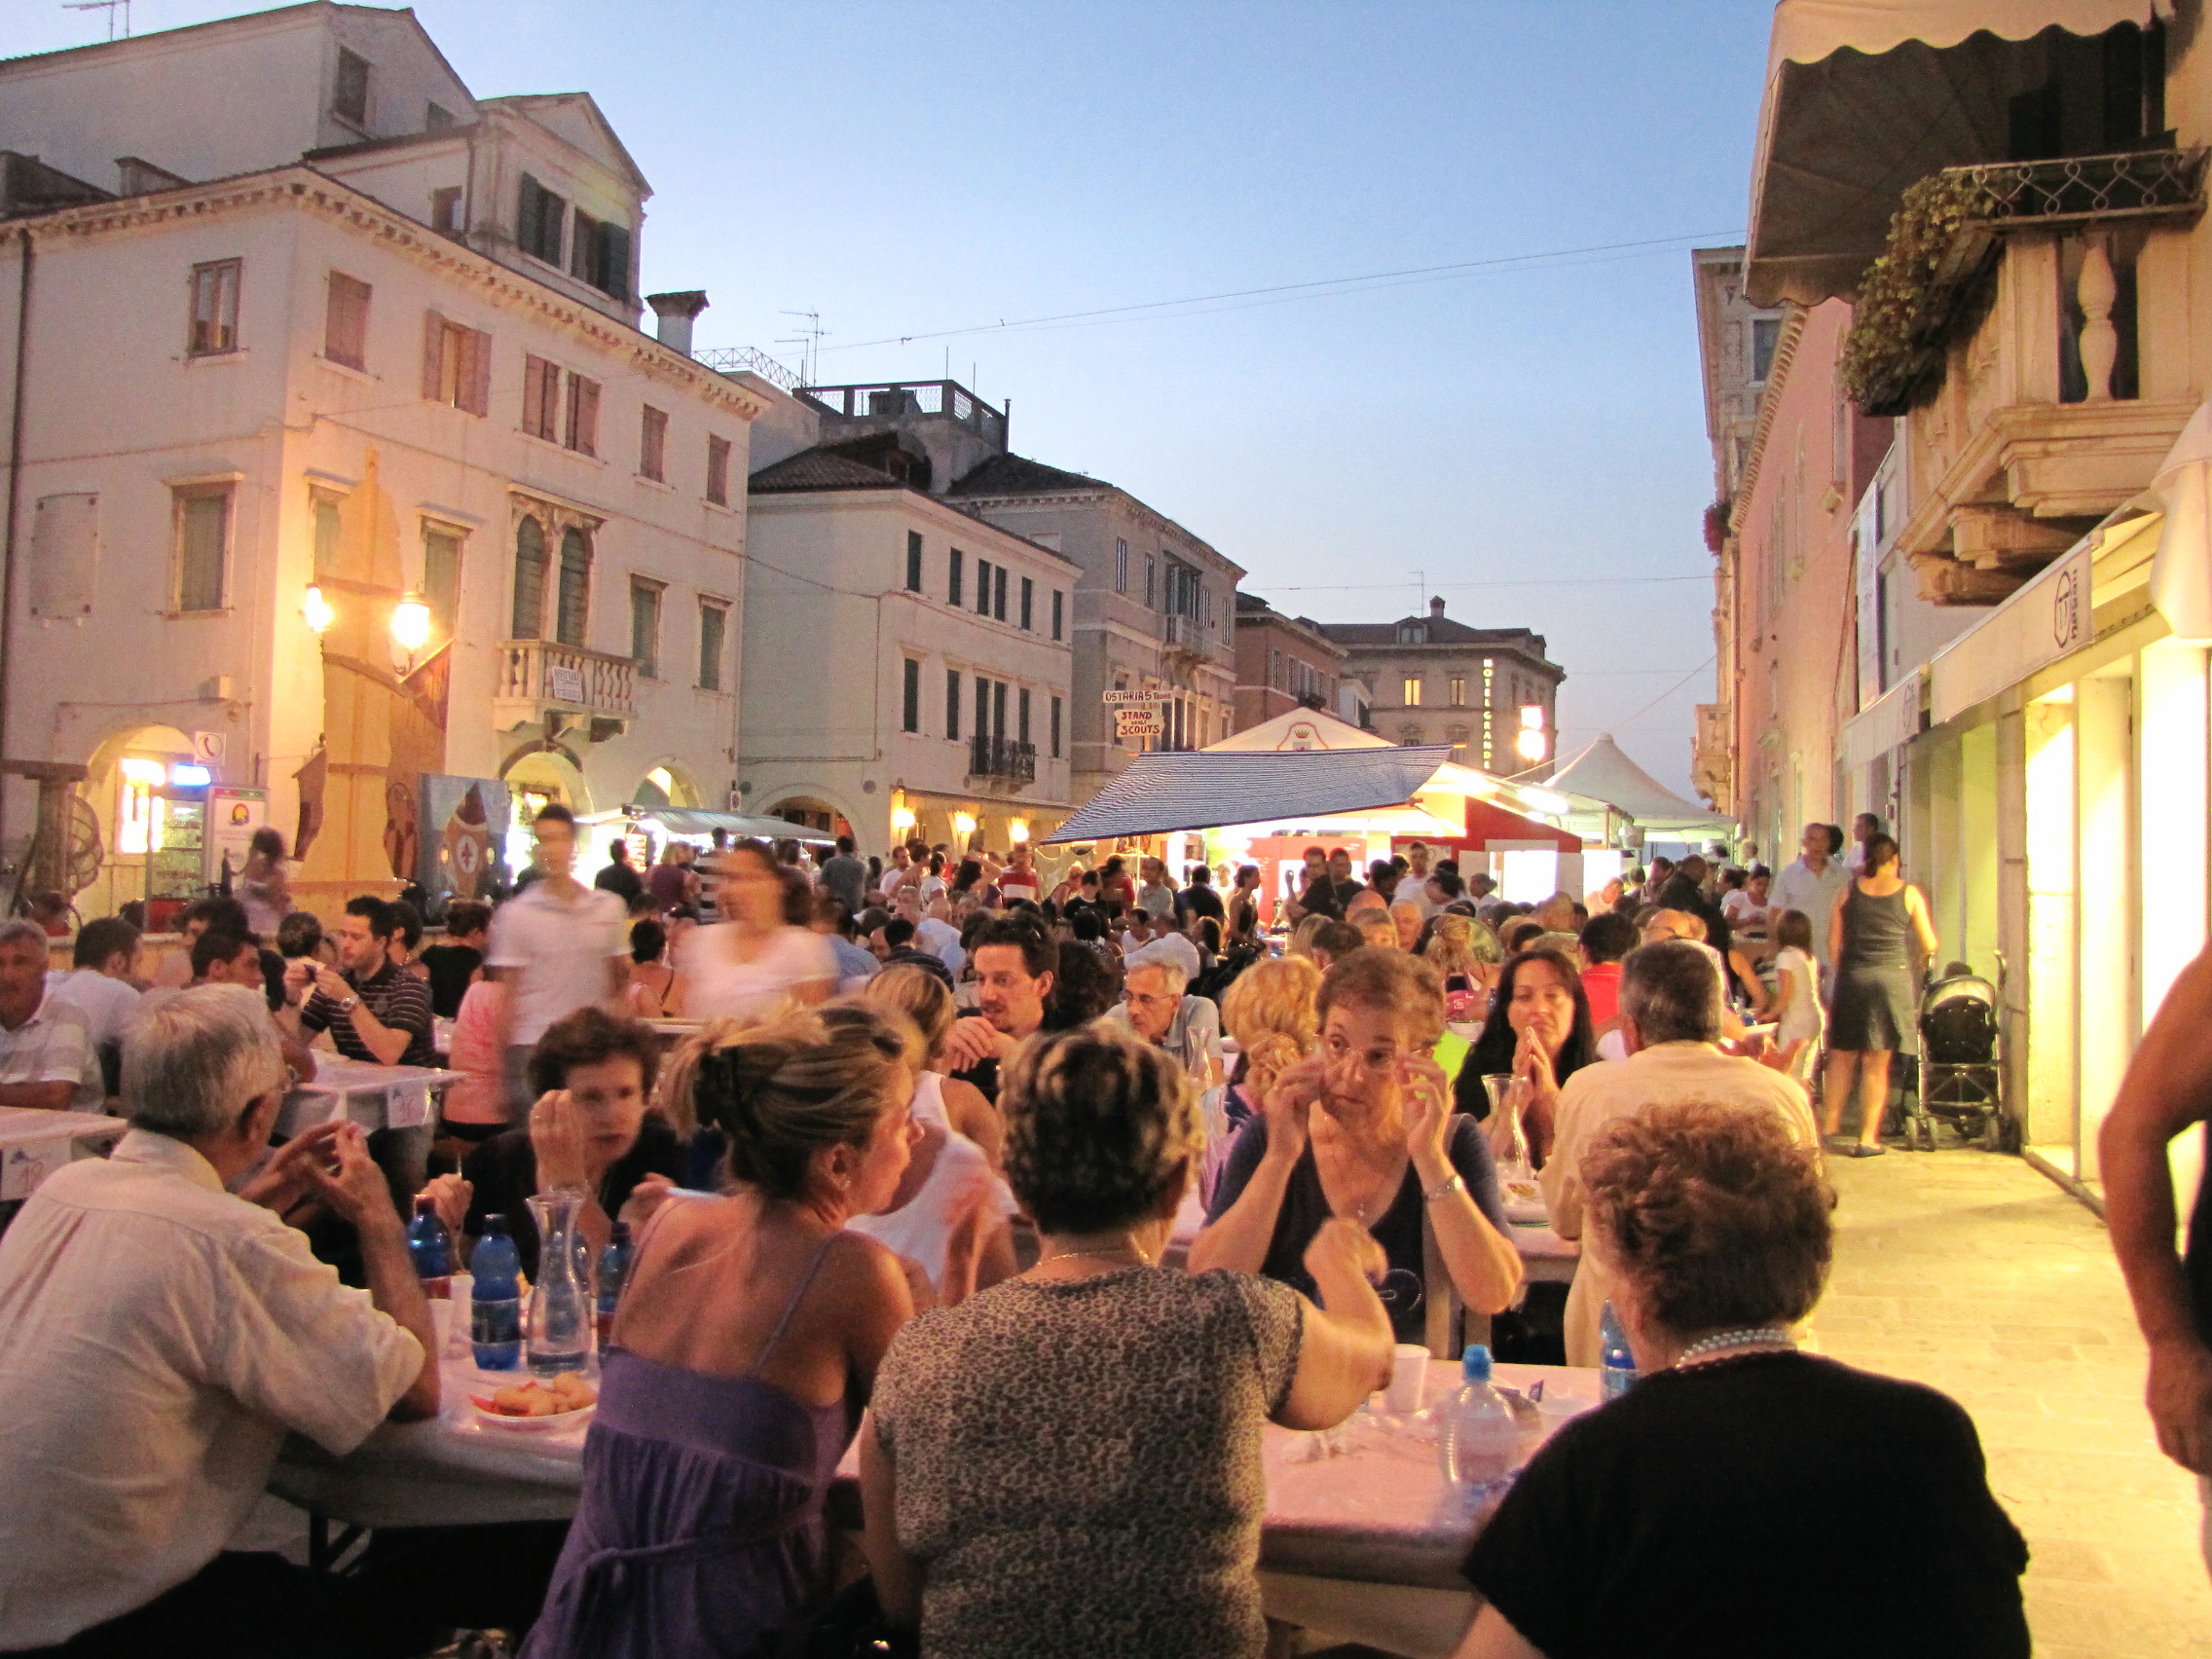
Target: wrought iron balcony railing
1003, 759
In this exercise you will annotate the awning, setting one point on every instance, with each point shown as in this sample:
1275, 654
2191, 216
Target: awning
1889, 721
1864, 97
691, 821
1606, 775
2181, 573
1210, 789
1491, 829
2048, 617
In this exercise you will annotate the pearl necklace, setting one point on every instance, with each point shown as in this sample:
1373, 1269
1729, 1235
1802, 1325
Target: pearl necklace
1763, 1336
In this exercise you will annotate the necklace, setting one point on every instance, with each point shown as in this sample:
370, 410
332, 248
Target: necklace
1763, 1336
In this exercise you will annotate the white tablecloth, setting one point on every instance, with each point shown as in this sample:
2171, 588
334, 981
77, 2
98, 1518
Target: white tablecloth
35, 1143
376, 1097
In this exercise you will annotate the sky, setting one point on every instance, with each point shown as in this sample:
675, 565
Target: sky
1526, 439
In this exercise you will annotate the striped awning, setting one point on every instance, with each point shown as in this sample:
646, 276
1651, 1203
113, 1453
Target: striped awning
1209, 788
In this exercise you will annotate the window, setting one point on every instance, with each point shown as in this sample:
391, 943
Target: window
203, 534
1410, 692
998, 710
1021, 719
998, 593
914, 570
1028, 604
983, 707
1055, 728
326, 528
952, 702
214, 309
1766, 331
530, 580
1151, 583
598, 253
717, 471
437, 118
456, 364
652, 444
572, 603
541, 218
910, 695
441, 577
1056, 614
542, 399
644, 627
982, 587
345, 321
583, 414
953, 577
1121, 565
1459, 690
445, 208
714, 618
350, 101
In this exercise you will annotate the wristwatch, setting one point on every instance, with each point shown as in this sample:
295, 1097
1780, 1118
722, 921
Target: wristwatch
348, 1004
1457, 1184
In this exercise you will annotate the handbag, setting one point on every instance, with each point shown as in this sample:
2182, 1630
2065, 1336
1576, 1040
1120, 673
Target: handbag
850, 1625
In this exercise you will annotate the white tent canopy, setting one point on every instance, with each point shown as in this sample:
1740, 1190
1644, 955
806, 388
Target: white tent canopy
1604, 774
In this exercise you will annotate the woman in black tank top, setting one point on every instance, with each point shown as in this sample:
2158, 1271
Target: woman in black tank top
1878, 937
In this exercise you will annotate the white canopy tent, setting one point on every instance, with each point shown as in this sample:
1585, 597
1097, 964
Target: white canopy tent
1604, 774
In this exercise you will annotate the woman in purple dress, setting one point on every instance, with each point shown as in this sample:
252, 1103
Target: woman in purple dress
745, 1349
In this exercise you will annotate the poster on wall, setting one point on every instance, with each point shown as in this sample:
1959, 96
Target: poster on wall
463, 831
234, 815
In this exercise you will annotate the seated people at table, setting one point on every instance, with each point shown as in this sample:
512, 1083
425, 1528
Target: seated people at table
1743, 1497
1084, 986
1606, 939
831, 920
1670, 1025
99, 985
228, 959
46, 1058
301, 935
1069, 1463
1156, 1005
746, 1347
1015, 962
374, 1011
1463, 949
1365, 1129
454, 961
407, 939
1331, 941
592, 1129
897, 937
1537, 1031
175, 970
646, 996
760, 953
160, 1336
1269, 1010
950, 1213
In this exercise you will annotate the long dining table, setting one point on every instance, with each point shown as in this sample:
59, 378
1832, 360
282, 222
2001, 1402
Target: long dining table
1361, 1542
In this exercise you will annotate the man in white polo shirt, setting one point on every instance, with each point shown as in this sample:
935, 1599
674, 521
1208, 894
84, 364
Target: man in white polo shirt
46, 1048
558, 946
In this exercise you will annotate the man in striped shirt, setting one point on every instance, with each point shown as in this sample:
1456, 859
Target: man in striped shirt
374, 1011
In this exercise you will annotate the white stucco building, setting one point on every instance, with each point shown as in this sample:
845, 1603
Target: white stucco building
387, 352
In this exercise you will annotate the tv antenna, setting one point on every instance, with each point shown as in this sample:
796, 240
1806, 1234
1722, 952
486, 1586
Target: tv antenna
808, 339
110, 7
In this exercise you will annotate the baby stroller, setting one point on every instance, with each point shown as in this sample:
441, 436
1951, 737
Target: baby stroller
1961, 1080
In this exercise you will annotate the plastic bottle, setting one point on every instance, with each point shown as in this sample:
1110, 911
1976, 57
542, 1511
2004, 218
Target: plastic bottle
1477, 1441
431, 1250
613, 1273
1616, 1362
496, 1311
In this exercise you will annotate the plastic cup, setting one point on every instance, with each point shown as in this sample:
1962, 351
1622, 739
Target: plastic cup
1408, 1377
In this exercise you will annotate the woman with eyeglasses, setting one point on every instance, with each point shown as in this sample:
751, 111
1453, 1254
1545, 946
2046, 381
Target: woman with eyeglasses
1384, 1150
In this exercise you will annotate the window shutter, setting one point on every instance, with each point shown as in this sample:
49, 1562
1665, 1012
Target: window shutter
583, 248
476, 372
583, 414
614, 261
433, 356
345, 321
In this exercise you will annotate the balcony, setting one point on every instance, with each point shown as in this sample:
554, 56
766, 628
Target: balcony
564, 685
1002, 760
1712, 762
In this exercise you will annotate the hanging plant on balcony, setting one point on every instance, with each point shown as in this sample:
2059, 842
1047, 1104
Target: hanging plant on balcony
1913, 291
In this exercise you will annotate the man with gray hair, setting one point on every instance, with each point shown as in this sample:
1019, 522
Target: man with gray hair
1669, 1023
159, 1336
46, 1057
1154, 1006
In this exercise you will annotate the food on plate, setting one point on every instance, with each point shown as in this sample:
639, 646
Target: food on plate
566, 1393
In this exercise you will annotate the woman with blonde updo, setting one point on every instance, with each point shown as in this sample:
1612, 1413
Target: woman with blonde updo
745, 1348
1071, 1461
1269, 1008
1465, 948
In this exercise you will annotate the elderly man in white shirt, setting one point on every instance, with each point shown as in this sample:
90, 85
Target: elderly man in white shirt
159, 1336
1153, 1004
1669, 1003
46, 1048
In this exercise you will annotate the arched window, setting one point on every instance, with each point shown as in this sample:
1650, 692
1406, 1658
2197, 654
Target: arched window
530, 580
575, 588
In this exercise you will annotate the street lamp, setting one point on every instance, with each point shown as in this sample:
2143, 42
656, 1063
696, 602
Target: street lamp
316, 609
411, 623
1018, 831
1529, 742
964, 825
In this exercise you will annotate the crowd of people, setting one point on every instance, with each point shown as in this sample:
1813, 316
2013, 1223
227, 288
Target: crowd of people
908, 1171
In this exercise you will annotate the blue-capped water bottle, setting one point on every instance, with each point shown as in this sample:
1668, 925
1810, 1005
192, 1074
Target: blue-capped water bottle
1616, 1361
613, 1273
495, 1322
1477, 1440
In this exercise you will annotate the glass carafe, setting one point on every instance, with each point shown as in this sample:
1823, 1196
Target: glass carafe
559, 1333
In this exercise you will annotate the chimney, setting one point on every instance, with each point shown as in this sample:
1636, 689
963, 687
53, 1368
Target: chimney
675, 312
1435, 604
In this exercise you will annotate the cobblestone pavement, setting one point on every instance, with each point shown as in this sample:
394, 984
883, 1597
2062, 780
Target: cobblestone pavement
1971, 1272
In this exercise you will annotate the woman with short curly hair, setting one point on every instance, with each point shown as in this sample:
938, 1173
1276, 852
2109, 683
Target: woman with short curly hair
1753, 1499
1070, 1461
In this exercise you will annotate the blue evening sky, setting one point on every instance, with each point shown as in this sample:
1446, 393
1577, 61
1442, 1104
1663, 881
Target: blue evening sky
1533, 438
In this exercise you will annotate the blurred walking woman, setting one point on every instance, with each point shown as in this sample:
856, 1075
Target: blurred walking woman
1879, 936
1069, 1463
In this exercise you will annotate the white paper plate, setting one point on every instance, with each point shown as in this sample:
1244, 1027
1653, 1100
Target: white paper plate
532, 1424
